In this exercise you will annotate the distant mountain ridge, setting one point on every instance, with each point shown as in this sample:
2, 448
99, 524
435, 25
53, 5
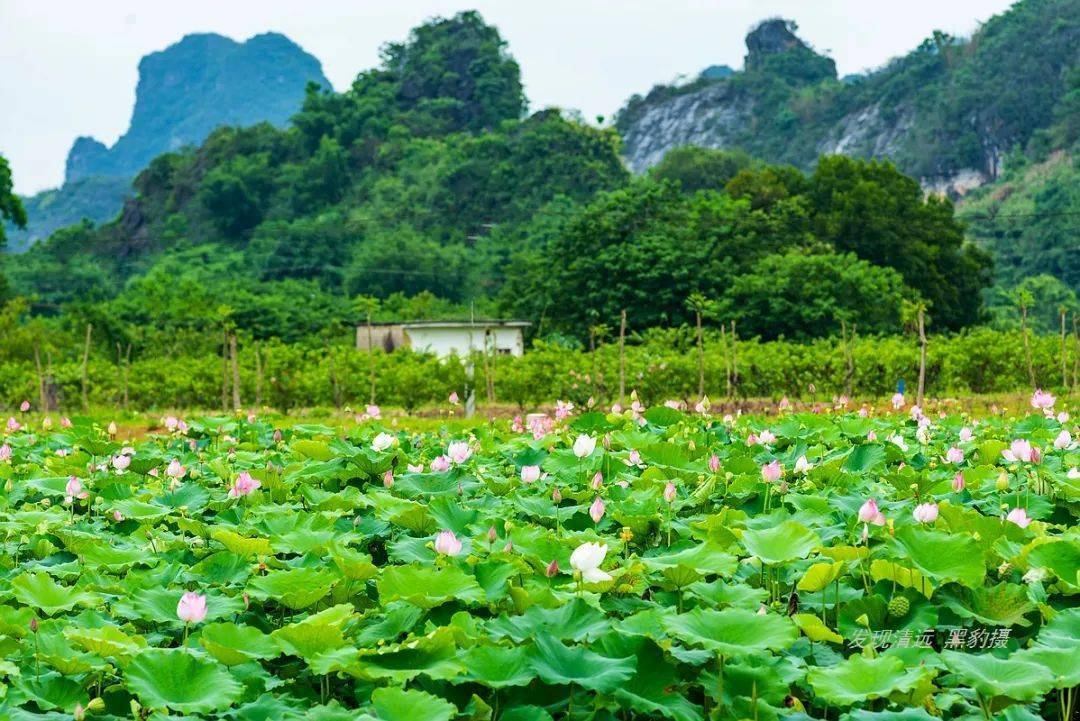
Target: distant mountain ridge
184, 92
947, 113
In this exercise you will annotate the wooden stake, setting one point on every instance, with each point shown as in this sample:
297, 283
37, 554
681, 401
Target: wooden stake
43, 402
1064, 353
258, 376
371, 357
701, 357
622, 357
727, 358
922, 356
85, 373
225, 370
235, 373
734, 358
1027, 345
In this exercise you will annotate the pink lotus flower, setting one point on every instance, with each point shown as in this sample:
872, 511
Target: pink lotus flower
24, 406
954, 455
117, 516
772, 471
1018, 516
530, 474
374, 412
243, 485
5, 452
703, 405
670, 492
447, 544
552, 569
966, 435
388, 479
766, 437
897, 401
454, 400
596, 510
752, 440
415, 467
597, 481
175, 470
1021, 451
785, 404
869, 513
459, 452
714, 463
517, 426
121, 462
926, 512
73, 490
65, 422
563, 409
1063, 440
13, 425
191, 608
1041, 400
440, 464
171, 423
556, 496
958, 482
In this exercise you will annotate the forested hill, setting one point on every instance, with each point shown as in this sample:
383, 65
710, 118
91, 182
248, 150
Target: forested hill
427, 189
947, 113
184, 92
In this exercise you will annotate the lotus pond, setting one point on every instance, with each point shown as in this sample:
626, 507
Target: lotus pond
650, 564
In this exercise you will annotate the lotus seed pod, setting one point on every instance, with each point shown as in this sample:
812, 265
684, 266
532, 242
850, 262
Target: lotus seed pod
898, 606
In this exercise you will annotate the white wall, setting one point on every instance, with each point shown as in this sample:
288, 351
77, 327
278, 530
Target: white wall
445, 342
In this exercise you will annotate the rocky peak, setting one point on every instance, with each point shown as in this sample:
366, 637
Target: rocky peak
771, 37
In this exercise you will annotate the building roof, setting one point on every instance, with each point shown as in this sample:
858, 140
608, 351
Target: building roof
482, 323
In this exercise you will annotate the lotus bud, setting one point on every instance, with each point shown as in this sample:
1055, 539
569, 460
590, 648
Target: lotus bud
79, 713
1002, 481
491, 535
112, 428
552, 569
509, 547
96, 704
556, 496
33, 625
277, 436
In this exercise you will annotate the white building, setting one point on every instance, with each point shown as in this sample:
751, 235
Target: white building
445, 338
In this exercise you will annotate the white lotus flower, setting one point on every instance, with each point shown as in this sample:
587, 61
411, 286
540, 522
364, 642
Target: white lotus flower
586, 559
382, 442
802, 465
584, 446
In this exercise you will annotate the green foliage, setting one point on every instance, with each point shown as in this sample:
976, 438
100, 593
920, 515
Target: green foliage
800, 294
11, 208
253, 566
695, 168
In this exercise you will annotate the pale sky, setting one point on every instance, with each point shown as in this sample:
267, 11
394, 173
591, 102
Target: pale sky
69, 67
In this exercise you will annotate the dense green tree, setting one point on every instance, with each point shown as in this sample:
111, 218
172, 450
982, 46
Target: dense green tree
804, 293
872, 210
645, 248
457, 68
695, 168
11, 208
